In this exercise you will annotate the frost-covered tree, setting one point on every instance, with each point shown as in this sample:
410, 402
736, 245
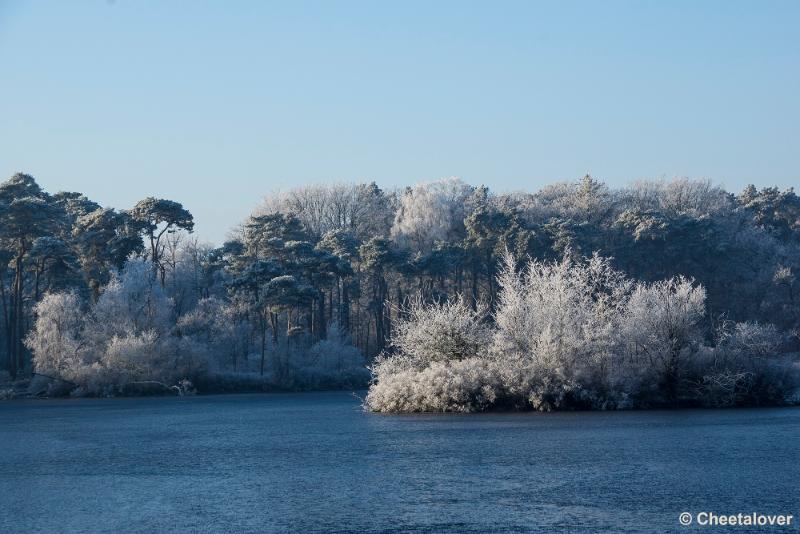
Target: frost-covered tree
343, 246
775, 210
560, 318
430, 212
125, 339
157, 217
361, 209
575, 334
661, 329
104, 240
57, 339
746, 366
54, 266
327, 270
26, 214
219, 326
680, 196
133, 301
377, 258
491, 230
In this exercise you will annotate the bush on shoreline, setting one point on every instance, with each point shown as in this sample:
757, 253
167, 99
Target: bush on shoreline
577, 334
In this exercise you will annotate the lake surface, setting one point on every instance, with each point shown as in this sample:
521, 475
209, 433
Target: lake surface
315, 462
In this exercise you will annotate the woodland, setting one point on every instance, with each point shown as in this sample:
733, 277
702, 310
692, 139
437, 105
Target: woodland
441, 296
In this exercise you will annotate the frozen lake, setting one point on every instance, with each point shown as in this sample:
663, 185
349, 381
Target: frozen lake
316, 462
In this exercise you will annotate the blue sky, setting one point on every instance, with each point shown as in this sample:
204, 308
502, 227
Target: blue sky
214, 104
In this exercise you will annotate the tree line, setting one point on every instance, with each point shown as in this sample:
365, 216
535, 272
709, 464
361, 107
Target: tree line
318, 272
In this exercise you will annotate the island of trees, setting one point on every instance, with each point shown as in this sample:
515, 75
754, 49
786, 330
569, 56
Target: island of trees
441, 296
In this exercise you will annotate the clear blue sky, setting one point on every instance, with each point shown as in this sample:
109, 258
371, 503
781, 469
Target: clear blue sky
214, 104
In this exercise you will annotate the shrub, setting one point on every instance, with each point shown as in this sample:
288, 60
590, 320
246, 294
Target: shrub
467, 385
124, 339
331, 362
57, 336
441, 331
576, 334
558, 320
661, 330
745, 367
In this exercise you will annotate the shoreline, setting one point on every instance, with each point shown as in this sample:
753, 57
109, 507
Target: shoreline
363, 391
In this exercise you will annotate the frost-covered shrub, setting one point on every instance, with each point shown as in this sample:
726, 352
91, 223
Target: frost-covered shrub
330, 362
133, 356
661, 331
133, 301
439, 361
57, 336
746, 367
441, 331
143, 357
467, 385
473, 384
550, 346
219, 326
558, 321
749, 342
124, 339
576, 334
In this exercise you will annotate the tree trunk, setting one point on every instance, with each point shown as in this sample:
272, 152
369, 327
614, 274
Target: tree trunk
273, 321
6, 317
15, 339
263, 324
321, 314
39, 271
10, 354
380, 323
344, 312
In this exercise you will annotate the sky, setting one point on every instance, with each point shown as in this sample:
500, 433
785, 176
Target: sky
215, 104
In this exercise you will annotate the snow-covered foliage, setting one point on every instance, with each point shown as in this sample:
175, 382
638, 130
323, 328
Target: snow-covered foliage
130, 340
318, 276
442, 331
430, 212
559, 316
660, 330
331, 362
218, 326
124, 340
56, 339
574, 334
357, 208
746, 367
587, 199
680, 196
468, 385
132, 302
440, 360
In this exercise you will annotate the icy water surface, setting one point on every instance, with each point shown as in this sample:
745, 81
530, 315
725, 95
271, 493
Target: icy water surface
315, 462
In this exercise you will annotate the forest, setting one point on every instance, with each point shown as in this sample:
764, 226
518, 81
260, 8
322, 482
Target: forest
441, 296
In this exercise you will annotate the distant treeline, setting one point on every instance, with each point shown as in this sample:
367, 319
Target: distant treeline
312, 286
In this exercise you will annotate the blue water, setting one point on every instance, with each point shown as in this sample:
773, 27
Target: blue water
315, 462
